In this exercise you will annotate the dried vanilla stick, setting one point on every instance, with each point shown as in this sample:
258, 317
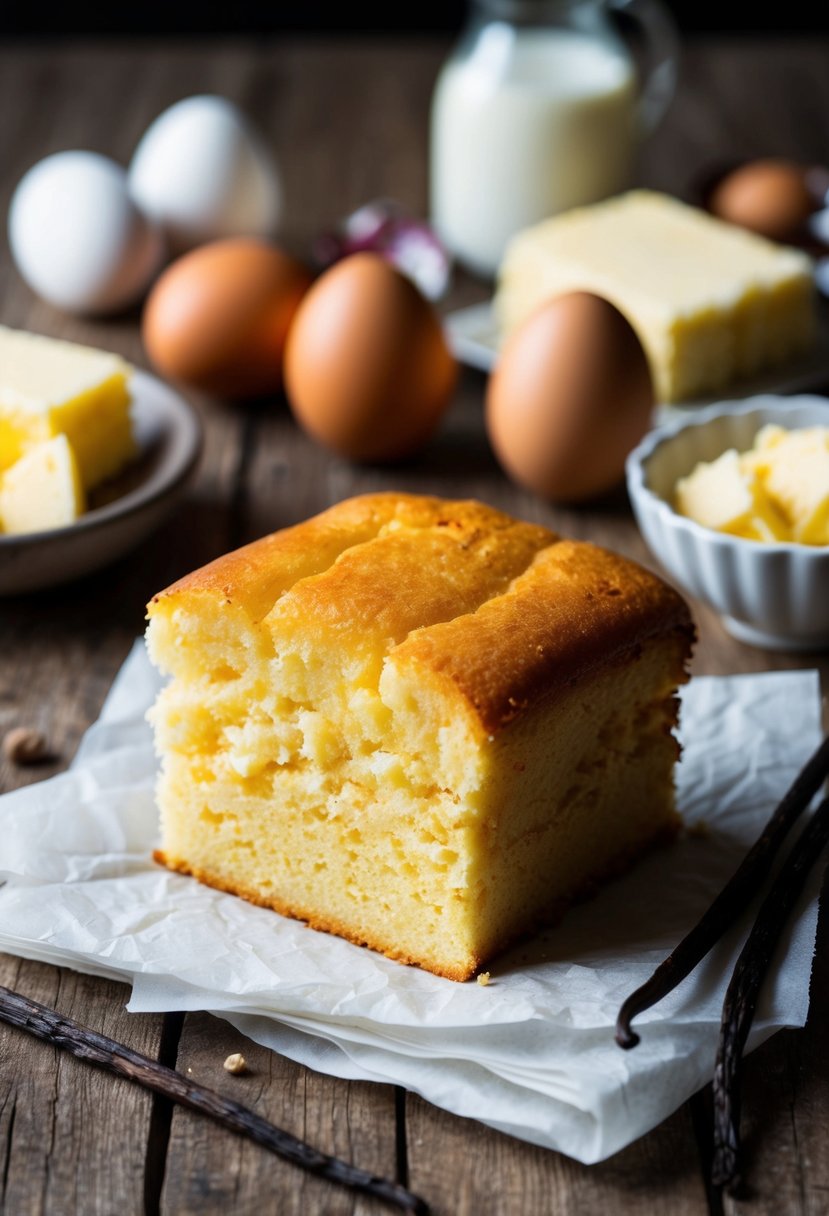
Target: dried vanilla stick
744, 988
63, 1032
731, 901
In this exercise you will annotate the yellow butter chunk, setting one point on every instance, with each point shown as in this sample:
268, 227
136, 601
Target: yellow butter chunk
49, 387
43, 489
728, 496
710, 302
778, 490
795, 472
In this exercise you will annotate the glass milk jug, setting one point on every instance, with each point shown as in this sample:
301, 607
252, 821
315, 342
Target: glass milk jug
537, 110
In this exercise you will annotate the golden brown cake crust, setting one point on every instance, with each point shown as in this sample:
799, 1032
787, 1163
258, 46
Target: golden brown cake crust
257, 574
576, 608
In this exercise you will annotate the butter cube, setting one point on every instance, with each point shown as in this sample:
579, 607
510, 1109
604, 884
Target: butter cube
797, 477
726, 495
49, 387
710, 302
43, 489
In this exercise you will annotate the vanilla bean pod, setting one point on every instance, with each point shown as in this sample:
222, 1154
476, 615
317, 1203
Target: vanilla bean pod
94, 1048
743, 990
731, 901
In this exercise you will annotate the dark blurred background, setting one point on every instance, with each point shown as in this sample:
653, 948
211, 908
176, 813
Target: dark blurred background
323, 17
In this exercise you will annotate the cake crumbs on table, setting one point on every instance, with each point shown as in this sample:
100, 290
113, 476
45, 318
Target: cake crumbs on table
235, 1064
483, 978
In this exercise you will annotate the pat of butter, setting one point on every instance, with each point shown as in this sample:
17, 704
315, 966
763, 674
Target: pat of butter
42, 490
49, 387
710, 302
777, 491
726, 495
795, 472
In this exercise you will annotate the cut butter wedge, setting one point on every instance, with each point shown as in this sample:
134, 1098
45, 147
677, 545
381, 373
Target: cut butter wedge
43, 489
50, 387
728, 497
795, 472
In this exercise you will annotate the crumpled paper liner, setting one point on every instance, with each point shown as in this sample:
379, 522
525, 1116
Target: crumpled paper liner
532, 1053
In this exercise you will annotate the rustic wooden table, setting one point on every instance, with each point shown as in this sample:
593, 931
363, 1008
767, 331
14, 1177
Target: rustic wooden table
349, 123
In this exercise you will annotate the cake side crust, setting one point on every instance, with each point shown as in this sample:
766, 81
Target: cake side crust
548, 918
323, 924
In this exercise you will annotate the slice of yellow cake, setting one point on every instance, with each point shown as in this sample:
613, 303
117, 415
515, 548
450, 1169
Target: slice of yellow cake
417, 723
710, 302
49, 387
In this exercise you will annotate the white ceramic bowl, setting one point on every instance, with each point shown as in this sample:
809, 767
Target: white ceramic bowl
169, 436
772, 595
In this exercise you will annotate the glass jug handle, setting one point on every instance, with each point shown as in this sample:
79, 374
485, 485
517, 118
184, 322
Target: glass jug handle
661, 39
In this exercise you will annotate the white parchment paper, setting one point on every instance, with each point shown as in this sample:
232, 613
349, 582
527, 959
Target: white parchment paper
532, 1053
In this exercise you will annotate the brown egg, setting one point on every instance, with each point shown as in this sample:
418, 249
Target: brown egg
367, 369
217, 318
570, 397
768, 196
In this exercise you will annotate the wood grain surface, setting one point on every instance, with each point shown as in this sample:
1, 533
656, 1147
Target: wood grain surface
348, 123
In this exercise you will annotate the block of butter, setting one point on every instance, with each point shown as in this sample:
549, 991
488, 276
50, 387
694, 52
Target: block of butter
711, 303
42, 490
49, 387
777, 491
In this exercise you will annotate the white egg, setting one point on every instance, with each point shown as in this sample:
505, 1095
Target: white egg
77, 237
203, 174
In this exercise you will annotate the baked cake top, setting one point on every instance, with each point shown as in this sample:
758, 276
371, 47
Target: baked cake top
452, 596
